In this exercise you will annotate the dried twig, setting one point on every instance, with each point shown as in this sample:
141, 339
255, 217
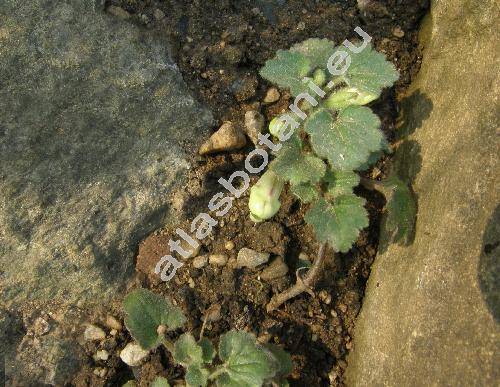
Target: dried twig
302, 285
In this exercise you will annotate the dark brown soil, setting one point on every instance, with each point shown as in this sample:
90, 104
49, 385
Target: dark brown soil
219, 47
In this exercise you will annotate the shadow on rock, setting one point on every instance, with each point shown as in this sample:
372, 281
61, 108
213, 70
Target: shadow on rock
415, 109
489, 265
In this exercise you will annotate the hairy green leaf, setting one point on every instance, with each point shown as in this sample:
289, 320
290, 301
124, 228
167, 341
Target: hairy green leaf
375, 156
401, 211
187, 351
306, 192
370, 72
338, 223
293, 165
341, 182
318, 51
246, 363
196, 376
146, 311
348, 140
280, 360
160, 382
287, 69
208, 350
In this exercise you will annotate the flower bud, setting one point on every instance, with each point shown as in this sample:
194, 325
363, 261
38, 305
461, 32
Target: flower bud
349, 96
276, 126
319, 77
264, 197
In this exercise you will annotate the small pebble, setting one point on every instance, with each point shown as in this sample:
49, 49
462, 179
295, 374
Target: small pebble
272, 95
113, 323
254, 123
314, 337
251, 258
301, 26
343, 308
118, 12
158, 14
348, 345
94, 333
304, 257
193, 251
333, 312
398, 32
200, 262
101, 372
325, 297
113, 332
40, 326
191, 283
277, 269
218, 259
227, 138
133, 354
101, 354
229, 245
212, 314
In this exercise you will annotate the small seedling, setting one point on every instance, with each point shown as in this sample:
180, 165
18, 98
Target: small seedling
337, 139
239, 361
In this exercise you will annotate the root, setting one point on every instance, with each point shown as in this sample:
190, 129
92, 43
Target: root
302, 285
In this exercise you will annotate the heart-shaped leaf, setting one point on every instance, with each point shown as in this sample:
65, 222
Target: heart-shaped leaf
338, 223
317, 51
293, 165
280, 359
245, 363
208, 350
287, 69
187, 351
146, 311
370, 72
306, 192
348, 140
341, 182
196, 376
160, 382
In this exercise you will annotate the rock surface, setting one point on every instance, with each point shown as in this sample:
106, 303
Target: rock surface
96, 132
97, 129
429, 317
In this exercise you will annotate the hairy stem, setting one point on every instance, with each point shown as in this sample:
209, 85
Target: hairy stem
217, 372
169, 345
302, 285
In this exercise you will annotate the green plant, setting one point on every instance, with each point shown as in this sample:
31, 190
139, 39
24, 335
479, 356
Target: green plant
239, 361
322, 156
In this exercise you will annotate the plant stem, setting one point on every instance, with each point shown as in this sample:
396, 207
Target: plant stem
302, 285
169, 345
218, 371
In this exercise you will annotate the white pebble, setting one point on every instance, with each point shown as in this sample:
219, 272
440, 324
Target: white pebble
133, 354
200, 261
101, 354
113, 323
251, 258
218, 259
93, 333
